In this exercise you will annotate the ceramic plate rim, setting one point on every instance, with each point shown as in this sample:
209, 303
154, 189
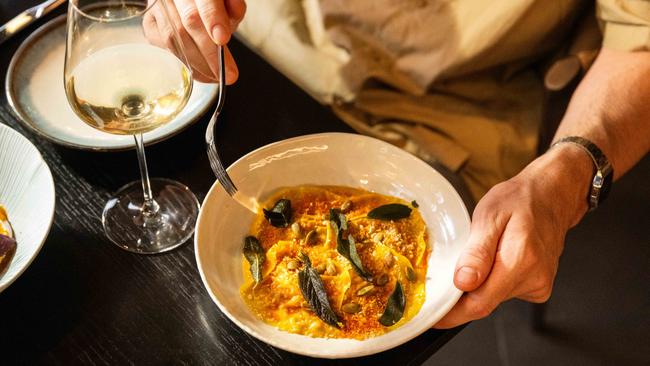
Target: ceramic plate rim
357, 352
52, 191
26, 121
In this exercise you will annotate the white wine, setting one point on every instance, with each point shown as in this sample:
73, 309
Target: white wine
129, 89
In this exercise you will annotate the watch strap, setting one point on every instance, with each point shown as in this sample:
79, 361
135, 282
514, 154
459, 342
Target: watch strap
602, 179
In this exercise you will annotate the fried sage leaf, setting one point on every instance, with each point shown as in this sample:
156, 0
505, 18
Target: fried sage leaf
313, 290
391, 211
254, 253
394, 308
338, 218
280, 214
347, 247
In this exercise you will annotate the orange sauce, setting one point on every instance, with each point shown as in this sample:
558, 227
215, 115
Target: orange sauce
387, 248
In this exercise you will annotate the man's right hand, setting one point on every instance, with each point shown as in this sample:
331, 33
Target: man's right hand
202, 25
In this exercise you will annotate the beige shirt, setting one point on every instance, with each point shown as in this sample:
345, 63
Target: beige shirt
452, 81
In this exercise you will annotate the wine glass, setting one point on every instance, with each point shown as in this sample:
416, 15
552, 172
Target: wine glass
118, 81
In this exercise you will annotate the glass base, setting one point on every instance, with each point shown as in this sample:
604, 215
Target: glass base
168, 224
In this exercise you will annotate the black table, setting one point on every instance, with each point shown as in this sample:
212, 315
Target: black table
84, 300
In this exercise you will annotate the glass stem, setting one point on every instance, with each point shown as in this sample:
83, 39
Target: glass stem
149, 207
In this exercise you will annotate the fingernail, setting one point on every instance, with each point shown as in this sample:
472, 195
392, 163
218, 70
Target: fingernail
219, 34
466, 276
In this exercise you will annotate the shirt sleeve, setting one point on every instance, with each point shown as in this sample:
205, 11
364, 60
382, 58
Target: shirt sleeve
625, 24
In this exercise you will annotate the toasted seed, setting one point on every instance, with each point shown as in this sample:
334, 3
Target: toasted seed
378, 237
310, 238
345, 207
295, 227
389, 259
366, 290
351, 308
321, 268
410, 274
293, 264
382, 279
331, 269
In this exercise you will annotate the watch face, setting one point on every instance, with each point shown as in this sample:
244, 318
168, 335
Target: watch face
607, 185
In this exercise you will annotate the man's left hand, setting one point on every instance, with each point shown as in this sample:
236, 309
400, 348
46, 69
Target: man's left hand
517, 235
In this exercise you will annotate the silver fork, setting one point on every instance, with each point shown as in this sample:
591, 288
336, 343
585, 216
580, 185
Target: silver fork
215, 162
213, 155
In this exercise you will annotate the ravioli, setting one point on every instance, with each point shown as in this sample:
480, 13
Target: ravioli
390, 251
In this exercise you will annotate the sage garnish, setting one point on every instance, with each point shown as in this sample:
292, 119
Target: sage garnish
347, 247
391, 211
313, 290
339, 219
394, 308
414, 203
280, 214
254, 253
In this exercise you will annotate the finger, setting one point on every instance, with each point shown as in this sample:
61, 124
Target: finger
232, 72
482, 302
215, 19
152, 35
166, 40
236, 11
150, 29
201, 70
200, 75
475, 263
193, 24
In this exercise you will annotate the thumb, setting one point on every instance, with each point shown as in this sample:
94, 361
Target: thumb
476, 261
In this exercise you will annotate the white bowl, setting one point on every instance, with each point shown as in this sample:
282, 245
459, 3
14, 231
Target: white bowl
331, 159
27, 192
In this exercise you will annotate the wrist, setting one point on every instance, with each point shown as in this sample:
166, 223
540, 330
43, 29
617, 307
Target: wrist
567, 171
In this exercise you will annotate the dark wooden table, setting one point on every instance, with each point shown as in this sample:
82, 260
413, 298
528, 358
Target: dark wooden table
85, 301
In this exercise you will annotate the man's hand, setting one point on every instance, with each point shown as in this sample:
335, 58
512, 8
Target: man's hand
202, 25
518, 228
517, 234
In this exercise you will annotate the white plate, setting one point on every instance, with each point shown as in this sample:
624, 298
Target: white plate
333, 159
36, 93
27, 192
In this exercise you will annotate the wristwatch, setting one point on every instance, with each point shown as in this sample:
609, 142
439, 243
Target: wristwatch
602, 181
